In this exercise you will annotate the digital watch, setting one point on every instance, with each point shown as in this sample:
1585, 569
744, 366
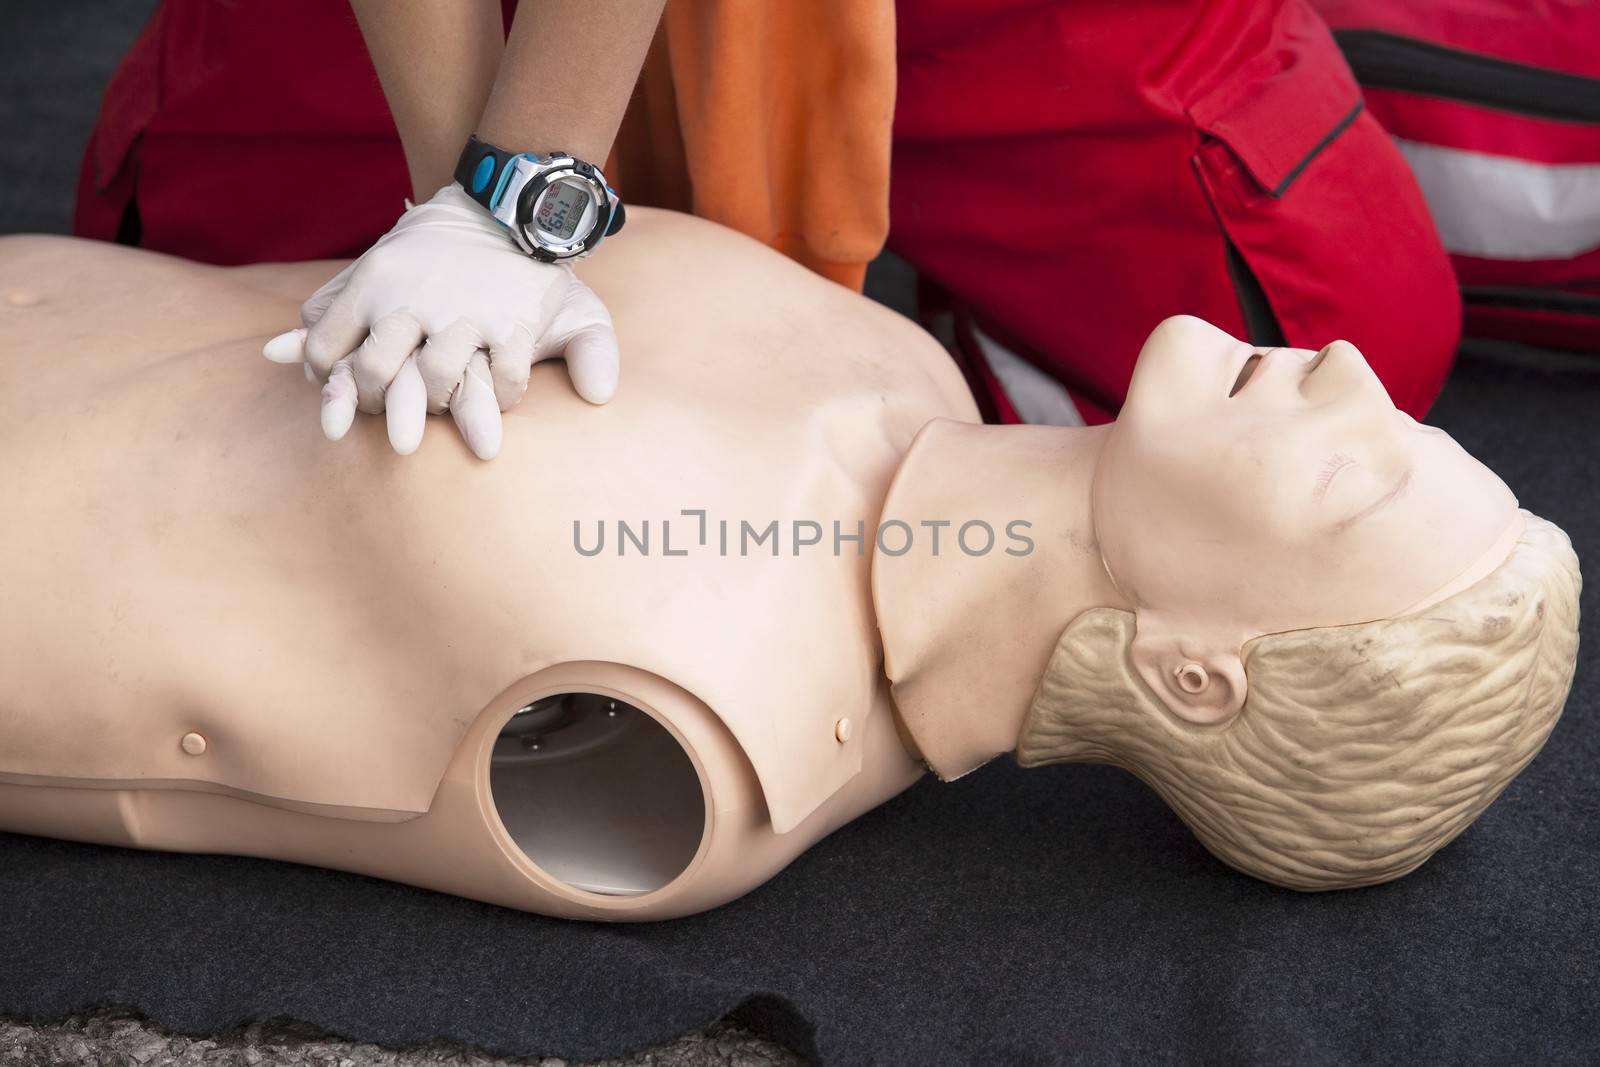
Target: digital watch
556, 206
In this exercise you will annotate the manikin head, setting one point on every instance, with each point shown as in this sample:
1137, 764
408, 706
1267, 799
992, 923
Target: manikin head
1346, 638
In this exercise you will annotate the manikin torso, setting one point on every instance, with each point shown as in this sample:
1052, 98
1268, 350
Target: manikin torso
189, 556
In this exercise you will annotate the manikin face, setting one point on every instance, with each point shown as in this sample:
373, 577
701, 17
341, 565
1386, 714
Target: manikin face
1247, 491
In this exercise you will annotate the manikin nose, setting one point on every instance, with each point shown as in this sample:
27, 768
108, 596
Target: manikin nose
1340, 371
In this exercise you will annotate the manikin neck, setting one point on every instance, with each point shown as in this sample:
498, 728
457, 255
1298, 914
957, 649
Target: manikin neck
967, 633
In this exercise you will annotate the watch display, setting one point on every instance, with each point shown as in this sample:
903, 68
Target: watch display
560, 210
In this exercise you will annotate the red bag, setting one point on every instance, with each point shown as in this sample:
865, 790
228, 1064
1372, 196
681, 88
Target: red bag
1074, 173
1496, 104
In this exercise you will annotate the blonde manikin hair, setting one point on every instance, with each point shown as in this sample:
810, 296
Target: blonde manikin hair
1360, 750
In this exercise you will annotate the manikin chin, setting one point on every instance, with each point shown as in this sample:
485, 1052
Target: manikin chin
1324, 634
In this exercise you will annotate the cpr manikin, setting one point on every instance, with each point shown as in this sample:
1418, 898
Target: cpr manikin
633, 666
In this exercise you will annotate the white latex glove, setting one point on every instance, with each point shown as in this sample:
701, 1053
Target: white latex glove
444, 312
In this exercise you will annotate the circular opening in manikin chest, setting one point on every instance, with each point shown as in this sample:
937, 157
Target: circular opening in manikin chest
597, 793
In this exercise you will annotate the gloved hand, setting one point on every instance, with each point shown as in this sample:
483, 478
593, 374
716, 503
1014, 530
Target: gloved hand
445, 312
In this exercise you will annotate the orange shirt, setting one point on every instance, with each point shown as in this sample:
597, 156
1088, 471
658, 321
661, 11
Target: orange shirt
770, 118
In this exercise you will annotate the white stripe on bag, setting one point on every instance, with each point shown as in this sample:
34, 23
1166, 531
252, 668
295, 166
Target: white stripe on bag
1496, 207
1037, 397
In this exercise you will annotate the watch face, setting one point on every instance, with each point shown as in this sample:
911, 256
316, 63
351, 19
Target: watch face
561, 209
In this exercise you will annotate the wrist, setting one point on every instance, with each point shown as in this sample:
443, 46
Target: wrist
453, 200
450, 206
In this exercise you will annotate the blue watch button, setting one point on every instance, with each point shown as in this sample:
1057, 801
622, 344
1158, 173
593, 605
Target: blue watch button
481, 176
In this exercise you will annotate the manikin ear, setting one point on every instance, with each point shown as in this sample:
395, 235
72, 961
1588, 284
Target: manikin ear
1199, 681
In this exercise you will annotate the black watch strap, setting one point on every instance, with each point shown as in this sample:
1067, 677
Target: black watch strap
481, 170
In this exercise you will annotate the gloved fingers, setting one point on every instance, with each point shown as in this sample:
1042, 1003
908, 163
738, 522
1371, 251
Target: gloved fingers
509, 366
389, 343
593, 362
443, 360
582, 332
475, 410
406, 407
335, 334
288, 347
579, 310
338, 401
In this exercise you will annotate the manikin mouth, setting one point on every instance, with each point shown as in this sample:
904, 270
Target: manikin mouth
1253, 363
1245, 373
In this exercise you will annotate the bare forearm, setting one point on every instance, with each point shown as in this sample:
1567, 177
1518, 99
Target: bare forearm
567, 73
436, 61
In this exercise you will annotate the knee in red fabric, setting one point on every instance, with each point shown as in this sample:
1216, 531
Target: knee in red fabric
1135, 151
245, 132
